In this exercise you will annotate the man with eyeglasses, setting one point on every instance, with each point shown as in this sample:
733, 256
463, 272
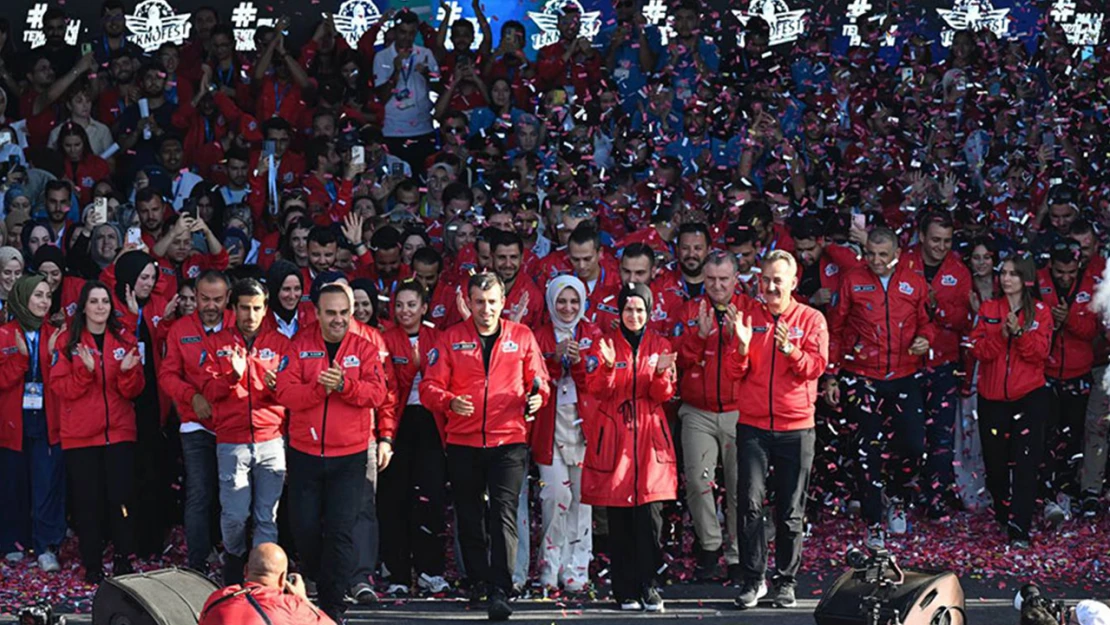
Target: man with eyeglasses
402, 74
114, 25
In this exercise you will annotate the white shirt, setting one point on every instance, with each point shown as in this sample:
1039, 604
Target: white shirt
408, 113
414, 394
183, 184
186, 428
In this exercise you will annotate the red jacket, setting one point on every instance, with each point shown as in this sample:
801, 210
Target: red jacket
872, 328
230, 606
708, 382
952, 315
13, 374
631, 459
582, 73
84, 175
455, 367
1072, 351
182, 373
408, 361
535, 309
325, 207
543, 429
311, 407
96, 406
1010, 368
244, 409
780, 391
836, 260
70, 291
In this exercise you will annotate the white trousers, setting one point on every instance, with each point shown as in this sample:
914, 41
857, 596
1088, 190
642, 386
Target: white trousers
567, 543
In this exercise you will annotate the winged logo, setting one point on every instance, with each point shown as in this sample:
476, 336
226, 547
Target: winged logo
155, 22
355, 17
548, 20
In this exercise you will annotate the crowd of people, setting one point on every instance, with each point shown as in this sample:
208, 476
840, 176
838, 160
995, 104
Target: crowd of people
369, 301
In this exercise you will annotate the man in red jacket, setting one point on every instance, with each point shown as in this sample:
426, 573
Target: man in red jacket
488, 376
271, 595
880, 329
710, 400
333, 381
241, 364
949, 308
782, 349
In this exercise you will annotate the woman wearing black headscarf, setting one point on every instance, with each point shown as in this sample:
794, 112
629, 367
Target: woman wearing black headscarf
630, 457
34, 235
366, 303
64, 289
288, 313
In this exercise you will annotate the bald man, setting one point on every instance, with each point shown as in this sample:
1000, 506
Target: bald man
270, 595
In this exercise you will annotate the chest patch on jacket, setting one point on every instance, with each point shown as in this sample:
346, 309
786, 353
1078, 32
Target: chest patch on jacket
311, 355
351, 361
509, 347
863, 288
948, 280
904, 287
459, 347
187, 340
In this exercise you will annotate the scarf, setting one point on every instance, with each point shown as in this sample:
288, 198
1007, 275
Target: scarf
275, 277
565, 329
128, 269
21, 296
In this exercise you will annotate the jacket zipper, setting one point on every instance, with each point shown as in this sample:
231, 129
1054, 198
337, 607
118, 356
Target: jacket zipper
720, 354
771, 382
635, 435
889, 339
104, 393
1006, 380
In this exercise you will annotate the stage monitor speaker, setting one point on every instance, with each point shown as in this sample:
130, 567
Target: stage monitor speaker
164, 597
923, 599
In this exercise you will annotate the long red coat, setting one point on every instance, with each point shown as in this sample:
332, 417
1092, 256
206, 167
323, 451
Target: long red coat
543, 428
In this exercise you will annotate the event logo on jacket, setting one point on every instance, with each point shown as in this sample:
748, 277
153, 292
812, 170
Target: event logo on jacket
354, 18
155, 22
34, 35
786, 24
973, 15
548, 21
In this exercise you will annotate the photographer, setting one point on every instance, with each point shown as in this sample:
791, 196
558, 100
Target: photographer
270, 594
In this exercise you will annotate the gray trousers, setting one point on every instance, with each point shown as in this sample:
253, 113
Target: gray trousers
251, 478
366, 525
1096, 428
706, 437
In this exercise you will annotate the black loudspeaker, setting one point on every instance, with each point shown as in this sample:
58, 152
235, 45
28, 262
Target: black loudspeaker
923, 599
163, 597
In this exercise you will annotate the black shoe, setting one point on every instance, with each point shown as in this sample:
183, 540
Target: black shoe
707, 567
750, 594
784, 595
499, 609
1090, 506
651, 601
121, 565
735, 575
233, 569
476, 593
94, 576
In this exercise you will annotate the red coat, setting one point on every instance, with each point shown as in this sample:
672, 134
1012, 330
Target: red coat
408, 363
584, 74
872, 328
13, 372
331, 209
543, 428
244, 409
780, 391
708, 382
280, 607
311, 407
455, 367
95, 407
952, 317
1072, 351
182, 373
631, 459
84, 175
70, 292
536, 309
1010, 368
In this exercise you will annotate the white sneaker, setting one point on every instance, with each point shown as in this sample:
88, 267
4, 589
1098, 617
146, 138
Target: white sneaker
1065, 504
876, 538
896, 518
14, 557
1054, 514
574, 585
432, 583
48, 562
397, 590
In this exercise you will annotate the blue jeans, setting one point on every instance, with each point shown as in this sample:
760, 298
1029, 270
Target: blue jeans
32, 491
251, 479
198, 449
940, 388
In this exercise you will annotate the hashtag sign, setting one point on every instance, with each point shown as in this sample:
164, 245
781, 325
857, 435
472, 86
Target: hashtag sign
858, 8
1062, 10
243, 16
34, 16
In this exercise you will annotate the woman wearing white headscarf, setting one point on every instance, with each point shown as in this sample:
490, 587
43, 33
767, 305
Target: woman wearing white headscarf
558, 439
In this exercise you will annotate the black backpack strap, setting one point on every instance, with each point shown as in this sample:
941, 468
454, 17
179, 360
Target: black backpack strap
249, 592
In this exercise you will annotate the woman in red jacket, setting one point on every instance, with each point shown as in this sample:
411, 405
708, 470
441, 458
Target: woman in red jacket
96, 373
82, 168
1010, 340
559, 440
630, 462
412, 488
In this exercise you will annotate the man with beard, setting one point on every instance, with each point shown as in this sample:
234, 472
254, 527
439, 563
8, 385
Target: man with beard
687, 279
821, 262
121, 90
524, 303
114, 24
62, 55
142, 134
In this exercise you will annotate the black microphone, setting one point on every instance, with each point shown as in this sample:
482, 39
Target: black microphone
535, 390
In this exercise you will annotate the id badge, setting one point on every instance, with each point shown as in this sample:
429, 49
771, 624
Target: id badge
32, 396
403, 95
142, 353
621, 74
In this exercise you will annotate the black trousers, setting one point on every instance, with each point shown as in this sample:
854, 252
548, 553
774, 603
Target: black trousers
487, 532
413, 150
102, 480
411, 499
634, 551
1012, 453
1064, 433
790, 454
324, 497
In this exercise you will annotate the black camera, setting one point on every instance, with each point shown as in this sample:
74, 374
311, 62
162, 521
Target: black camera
41, 614
1030, 598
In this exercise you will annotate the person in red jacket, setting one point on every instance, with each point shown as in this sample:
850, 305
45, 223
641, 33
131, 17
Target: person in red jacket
271, 595
1066, 290
880, 329
333, 381
81, 166
559, 437
571, 61
821, 262
182, 379
96, 372
1011, 340
949, 308
32, 493
710, 399
240, 368
630, 462
523, 299
487, 375
413, 489
782, 350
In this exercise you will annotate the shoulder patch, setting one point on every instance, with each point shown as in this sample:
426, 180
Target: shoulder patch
832, 269
433, 356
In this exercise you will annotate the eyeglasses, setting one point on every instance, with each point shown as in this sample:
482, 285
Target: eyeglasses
458, 130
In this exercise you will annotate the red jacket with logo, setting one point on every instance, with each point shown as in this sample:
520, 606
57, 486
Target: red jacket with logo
408, 361
1010, 368
13, 375
455, 367
872, 328
230, 606
1072, 351
780, 391
836, 260
630, 460
182, 373
244, 408
96, 406
331, 424
534, 312
708, 382
543, 428
952, 315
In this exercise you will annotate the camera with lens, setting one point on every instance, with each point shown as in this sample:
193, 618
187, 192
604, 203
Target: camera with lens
1037, 609
41, 614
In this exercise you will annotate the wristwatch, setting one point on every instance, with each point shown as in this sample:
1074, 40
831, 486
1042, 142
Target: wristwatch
788, 349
